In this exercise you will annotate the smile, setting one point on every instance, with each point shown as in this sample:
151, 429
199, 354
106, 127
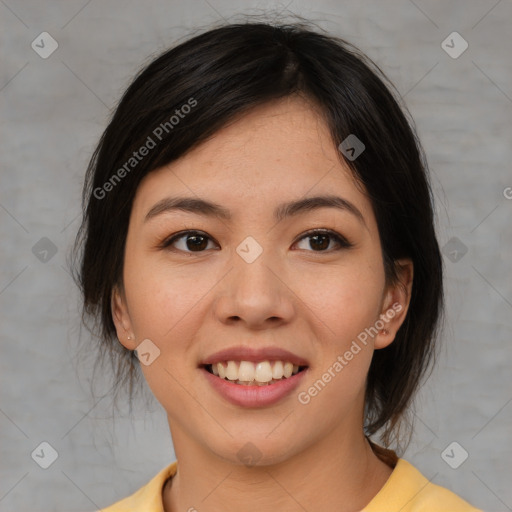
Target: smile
249, 373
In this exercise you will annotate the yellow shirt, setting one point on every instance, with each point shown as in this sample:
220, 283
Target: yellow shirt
406, 490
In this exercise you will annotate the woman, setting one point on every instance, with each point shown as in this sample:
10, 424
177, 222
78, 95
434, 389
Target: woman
258, 234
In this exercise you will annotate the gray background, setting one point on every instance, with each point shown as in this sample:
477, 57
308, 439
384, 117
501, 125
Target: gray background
53, 112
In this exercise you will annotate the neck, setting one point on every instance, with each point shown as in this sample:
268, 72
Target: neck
344, 478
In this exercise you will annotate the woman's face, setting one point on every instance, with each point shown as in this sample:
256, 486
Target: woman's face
252, 279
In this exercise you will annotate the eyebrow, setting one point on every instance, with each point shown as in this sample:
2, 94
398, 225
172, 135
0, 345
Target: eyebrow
284, 210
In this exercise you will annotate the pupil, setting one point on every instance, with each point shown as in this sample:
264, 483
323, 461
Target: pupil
323, 245
197, 244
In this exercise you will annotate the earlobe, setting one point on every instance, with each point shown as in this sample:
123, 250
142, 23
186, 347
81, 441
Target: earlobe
395, 304
121, 319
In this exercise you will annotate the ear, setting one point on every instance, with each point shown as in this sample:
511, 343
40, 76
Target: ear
121, 319
395, 304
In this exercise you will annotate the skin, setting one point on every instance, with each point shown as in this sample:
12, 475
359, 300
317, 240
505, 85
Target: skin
312, 302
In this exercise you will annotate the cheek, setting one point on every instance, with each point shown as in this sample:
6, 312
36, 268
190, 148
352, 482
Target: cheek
348, 298
347, 308
165, 307
161, 298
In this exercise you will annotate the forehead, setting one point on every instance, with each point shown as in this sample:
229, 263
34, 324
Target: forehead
277, 151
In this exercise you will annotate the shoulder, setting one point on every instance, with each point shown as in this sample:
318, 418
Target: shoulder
148, 498
407, 490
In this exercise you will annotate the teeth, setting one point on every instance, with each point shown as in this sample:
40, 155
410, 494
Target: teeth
263, 372
232, 371
288, 369
277, 370
249, 373
246, 372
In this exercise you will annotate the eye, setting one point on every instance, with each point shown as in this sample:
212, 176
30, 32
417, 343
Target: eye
196, 241
320, 240
188, 241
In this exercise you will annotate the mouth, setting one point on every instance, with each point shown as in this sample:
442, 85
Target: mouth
256, 383
254, 373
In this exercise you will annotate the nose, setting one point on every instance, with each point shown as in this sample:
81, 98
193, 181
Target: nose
255, 294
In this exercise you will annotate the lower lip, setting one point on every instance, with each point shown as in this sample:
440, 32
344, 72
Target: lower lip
254, 396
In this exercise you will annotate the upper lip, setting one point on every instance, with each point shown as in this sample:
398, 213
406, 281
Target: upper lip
255, 355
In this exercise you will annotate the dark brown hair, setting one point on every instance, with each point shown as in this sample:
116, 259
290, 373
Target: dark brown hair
223, 73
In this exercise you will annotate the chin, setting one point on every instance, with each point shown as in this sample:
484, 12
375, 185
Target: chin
258, 450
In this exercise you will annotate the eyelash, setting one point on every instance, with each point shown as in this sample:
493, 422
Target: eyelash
342, 242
